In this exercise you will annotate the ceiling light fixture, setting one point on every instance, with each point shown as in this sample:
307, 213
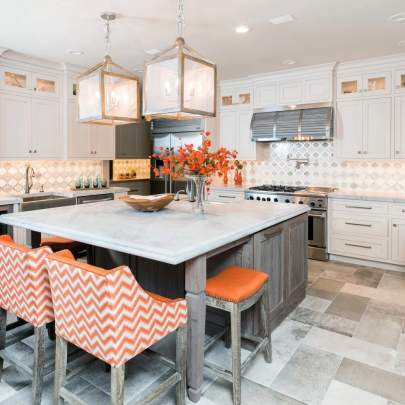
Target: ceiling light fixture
179, 83
107, 92
289, 62
400, 17
282, 19
242, 29
75, 52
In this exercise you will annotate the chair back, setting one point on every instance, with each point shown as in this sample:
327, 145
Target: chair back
106, 312
24, 282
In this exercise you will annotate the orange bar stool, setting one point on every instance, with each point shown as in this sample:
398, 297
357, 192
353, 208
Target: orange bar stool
234, 290
25, 292
57, 243
108, 314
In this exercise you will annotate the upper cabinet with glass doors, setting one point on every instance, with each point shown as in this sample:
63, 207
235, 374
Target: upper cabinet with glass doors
363, 84
399, 80
27, 82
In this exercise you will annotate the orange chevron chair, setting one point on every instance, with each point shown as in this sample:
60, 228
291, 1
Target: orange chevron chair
109, 315
25, 292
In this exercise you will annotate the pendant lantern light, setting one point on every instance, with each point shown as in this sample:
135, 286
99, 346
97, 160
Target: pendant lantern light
179, 83
108, 93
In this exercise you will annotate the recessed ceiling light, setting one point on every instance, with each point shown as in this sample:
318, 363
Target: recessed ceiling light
289, 62
152, 51
282, 19
400, 17
75, 52
401, 43
242, 29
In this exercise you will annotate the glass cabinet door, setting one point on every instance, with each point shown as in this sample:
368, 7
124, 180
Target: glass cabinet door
350, 86
45, 85
377, 83
235, 97
399, 80
16, 80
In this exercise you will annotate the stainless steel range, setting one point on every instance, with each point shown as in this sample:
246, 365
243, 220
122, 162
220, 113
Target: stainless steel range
314, 197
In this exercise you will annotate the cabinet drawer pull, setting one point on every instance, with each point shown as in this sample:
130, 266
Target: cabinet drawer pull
226, 196
359, 246
358, 207
355, 224
394, 225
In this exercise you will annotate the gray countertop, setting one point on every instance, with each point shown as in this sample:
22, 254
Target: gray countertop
172, 235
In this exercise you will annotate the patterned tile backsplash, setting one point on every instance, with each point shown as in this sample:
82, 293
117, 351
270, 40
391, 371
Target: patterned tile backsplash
52, 175
273, 167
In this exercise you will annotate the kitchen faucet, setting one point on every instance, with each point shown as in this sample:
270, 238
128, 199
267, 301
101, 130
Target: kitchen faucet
29, 174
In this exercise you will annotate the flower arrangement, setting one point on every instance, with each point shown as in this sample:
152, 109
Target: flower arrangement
200, 161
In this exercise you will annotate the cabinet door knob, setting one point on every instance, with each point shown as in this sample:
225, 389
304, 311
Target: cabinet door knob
365, 152
30, 151
359, 152
394, 225
35, 151
95, 152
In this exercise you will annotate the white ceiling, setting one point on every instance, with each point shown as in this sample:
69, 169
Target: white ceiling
323, 31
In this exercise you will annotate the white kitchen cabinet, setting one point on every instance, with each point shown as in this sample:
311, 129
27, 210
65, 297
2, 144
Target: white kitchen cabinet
349, 85
317, 89
238, 96
265, 95
398, 240
399, 122
102, 142
45, 85
364, 129
15, 80
15, 126
46, 135
349, 139
235, 133
377, 128
290, 92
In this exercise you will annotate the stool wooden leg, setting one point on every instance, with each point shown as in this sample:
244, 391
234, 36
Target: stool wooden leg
38, 372
3, 327
60, 369
181, 361
117, 385
236, 354
264, 315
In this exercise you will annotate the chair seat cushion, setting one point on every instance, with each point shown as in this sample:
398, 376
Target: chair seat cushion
235, 284
57, 241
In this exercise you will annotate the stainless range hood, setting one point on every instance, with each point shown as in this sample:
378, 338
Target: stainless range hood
304, 122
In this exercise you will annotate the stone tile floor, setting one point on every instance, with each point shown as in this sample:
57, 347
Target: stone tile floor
344, 345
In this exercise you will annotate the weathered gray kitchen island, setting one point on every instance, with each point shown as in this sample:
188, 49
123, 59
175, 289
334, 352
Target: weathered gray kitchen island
172, 251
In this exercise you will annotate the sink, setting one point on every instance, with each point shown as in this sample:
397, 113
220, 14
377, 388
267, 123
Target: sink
39, 202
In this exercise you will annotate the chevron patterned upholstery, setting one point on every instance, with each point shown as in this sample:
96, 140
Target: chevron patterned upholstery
24, 287
107, 313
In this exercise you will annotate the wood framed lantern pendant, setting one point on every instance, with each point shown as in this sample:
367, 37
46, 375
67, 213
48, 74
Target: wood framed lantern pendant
179, 83
108, 93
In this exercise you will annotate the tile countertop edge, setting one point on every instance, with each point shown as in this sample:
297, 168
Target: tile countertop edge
380, 196
170, 259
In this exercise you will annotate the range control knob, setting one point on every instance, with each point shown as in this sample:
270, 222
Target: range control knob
301, 202
263, 199
251, 198
268, 199
287, 200
312, 204
276, 200
258, 198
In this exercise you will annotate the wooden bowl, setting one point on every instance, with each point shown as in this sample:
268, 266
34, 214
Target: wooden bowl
148, 204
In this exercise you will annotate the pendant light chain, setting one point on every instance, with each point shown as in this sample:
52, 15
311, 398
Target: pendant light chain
180, 18
107, 38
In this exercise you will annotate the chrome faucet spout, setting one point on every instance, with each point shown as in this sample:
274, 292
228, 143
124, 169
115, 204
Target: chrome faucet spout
29, 174
177, 196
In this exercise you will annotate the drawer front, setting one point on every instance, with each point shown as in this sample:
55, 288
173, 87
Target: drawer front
371, 227
226, 196
364, 249
398, 210
357, 207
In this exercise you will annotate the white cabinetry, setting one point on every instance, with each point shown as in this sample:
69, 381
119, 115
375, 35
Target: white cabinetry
223, 195
290, 92
265, 94
399, 119
364, 129
398, 240
317, 89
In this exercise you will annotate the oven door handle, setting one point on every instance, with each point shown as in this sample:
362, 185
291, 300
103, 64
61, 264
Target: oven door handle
317, 215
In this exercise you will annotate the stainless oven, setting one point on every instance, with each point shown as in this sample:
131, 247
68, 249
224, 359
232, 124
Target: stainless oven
317, 234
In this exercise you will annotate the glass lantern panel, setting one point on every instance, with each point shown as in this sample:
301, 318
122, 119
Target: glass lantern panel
161, 87
199, 86
121, 96
89, 97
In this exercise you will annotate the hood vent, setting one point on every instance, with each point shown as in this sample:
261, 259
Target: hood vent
307, 122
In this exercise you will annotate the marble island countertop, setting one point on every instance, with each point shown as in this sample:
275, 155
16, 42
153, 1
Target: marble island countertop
172, 235
12, 198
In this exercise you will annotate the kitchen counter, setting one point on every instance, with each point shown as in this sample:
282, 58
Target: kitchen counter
6, 199
383, 196
172, 235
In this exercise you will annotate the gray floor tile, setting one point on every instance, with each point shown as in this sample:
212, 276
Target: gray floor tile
307, 375
315, 303
381, 324
383, 383
325, 288
252, 394
348, 306
368, 277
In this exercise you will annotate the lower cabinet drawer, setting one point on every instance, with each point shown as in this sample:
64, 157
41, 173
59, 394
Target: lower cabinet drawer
363, 249
358, 207
369, 227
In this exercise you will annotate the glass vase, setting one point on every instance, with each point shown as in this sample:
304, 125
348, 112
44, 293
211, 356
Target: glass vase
200, 182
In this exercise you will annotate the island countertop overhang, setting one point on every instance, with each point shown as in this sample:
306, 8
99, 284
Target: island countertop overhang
172, 236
